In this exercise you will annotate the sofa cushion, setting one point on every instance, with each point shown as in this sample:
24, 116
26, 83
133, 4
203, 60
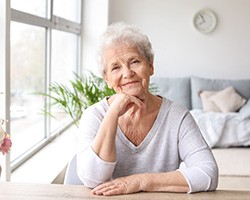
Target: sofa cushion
228, 100
200, 84
175, 89
207, 104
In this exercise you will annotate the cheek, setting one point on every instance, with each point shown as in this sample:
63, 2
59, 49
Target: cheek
145, 78
112, 82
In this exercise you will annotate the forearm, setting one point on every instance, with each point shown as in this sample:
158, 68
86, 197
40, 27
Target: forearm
104, 142
148, 182
164, 182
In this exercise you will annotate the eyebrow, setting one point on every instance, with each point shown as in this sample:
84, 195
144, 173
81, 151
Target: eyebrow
112, 64
129, 59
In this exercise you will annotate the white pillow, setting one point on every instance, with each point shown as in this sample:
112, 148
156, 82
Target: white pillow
207, 104
228, 100
245, 110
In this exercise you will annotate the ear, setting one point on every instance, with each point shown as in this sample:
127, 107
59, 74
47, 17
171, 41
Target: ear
151, 69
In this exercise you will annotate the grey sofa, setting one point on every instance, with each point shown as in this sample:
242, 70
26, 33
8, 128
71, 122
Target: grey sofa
186, 90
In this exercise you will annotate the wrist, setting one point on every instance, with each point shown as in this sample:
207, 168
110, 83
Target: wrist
113, 113
143, 182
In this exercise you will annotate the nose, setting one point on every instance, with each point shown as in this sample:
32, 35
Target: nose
127, 72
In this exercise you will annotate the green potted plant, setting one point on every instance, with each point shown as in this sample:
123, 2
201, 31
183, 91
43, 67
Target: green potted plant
77, 94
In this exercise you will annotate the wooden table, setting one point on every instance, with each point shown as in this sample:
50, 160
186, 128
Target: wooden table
28, 191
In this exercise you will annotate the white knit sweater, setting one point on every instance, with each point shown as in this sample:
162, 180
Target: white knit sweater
174, 138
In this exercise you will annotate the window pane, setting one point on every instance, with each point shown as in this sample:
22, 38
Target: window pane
63, 64
27, 78
68, 9
37, 7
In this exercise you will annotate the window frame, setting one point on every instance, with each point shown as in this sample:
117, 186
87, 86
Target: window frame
49, 23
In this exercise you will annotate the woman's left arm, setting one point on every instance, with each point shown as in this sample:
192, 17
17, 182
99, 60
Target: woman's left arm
199, 165
148, 182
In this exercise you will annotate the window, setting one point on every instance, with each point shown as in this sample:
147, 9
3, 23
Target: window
37, 7
44, 45
68, 9
63, 62
27, 77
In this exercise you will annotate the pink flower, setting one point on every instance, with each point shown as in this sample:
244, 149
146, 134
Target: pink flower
5, 144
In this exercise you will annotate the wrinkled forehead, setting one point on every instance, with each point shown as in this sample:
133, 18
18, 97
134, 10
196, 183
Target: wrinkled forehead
116, 52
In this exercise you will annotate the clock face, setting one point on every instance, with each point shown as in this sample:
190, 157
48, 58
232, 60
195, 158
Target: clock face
205, 21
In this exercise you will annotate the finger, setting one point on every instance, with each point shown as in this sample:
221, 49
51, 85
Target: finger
119, 90
99, 190
101, 186
137, 101
115, 191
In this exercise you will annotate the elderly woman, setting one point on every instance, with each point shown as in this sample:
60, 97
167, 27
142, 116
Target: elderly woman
135, 141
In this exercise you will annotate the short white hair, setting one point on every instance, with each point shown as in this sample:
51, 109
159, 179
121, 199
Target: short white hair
124, 33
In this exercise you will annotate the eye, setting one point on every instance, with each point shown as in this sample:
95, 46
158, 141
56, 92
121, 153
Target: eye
135, 61
115, 67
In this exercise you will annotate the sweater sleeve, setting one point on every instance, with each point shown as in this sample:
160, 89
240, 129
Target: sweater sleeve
91, 169
199, 166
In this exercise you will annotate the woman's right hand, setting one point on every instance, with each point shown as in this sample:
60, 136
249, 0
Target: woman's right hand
121, 103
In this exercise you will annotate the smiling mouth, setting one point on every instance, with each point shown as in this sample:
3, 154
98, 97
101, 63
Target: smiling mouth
130, 83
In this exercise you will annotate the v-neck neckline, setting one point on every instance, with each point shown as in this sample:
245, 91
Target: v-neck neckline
152, 132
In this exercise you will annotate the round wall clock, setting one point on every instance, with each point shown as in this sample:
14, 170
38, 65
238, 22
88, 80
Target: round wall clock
205, 21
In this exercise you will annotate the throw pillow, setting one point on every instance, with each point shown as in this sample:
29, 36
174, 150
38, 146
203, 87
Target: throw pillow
228, 100
242, 86
207, 104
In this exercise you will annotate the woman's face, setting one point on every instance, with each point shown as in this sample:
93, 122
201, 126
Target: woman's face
126, 71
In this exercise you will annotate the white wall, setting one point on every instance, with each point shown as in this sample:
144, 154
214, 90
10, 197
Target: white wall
180, 50
95, 21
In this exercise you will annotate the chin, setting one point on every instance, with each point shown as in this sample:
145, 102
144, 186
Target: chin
135, 93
